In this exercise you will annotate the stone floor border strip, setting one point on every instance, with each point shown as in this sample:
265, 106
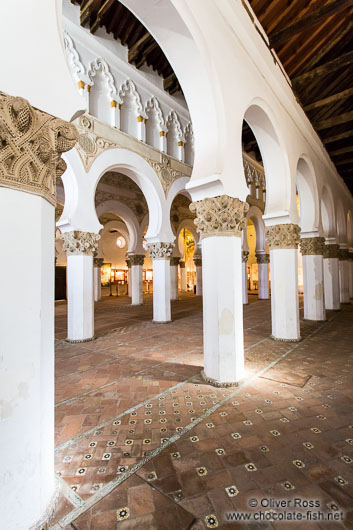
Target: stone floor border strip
68, 493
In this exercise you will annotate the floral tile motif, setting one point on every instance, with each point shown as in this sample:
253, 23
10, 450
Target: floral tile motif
211, 521
232, 491
122, 514
287, 485
250, 467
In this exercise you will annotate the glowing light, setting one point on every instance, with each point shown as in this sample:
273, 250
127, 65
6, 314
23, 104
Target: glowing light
121, 242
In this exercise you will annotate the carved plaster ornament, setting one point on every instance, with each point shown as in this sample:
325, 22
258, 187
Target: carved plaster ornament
89, 145
160, 250
262, 258
182, 264
283, 236
174, 261
165, 173
331, 251
78, 243
31, 145
343, 254
198, 260
98, 262
244, 256
312, 246
223, 216
350, 255
136, 259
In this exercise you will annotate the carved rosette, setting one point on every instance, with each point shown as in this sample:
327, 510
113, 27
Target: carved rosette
220, 216
343, 254
98, 262
331, 251
198, 260
174, 261
80, 243
312, 246
244, 256
136, 259
160, 250
31, 145
283, 236
262, 258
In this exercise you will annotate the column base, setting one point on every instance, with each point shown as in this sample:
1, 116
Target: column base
214, 382
314, 320
285, 340
135, 305
161, 321
43, 523
77, 341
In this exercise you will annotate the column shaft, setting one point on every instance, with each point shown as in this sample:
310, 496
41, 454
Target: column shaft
331, 277
174, 292
199, 280
350, 271
262, 269
244, 281
161, 290
80, 308
183, 283
313, 278
136, 285
344, 281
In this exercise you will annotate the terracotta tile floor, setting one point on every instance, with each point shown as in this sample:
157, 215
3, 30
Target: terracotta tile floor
143, 443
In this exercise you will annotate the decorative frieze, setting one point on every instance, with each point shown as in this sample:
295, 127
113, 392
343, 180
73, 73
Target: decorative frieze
98, 262
160, 250
312, 246
220, 216
78, 242
343, 254
174, 261
136, 259
283, 236
198, 260
331, 251
244, 256
262, 258
31, 145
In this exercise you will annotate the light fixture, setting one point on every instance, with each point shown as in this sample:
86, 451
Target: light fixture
121, 242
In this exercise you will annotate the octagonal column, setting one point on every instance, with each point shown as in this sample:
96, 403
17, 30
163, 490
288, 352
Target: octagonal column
262, 268
312, 249
220, 221
31, 145
283, 240
244, 275
97, 279
183, 283
343, 264
136, 280
331, 277
350, 281
80, 247
174, 291
160, 253
198, 265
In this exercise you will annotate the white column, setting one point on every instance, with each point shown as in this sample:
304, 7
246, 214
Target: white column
244, 275
222, 287
160, 253
80, 247
174, 291
135, 278
331, 277
97, 279
183, 283
312, 249
262, 272
163, 141
350, 270
129, 281
27, 232
198, 265
181, 151
344, 274
141, 129
283, 241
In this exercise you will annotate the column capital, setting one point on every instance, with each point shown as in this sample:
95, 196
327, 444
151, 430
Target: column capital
160, 250
343, 254
197, 260
98, 262
220, 216
244, 256
262, 258
80, 243
182, 264
174, 261
136, 259
312, 246
283, 236
350, 255
31, 145
331, 251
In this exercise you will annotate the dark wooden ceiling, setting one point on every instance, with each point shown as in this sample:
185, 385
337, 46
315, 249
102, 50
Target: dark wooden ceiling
313, 40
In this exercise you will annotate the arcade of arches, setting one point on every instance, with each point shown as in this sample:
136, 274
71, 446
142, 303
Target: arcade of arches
180, 246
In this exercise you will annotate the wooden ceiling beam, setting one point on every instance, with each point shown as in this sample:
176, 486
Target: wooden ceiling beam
338, 137
98, 18
342, 151
335, 120
328, 10
344, 162
87, 10
330, 99
135, 49
327, 68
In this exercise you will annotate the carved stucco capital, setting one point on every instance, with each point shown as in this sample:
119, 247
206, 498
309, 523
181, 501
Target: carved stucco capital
283, 236
160, 250
182, 264
78, 242
136, 259
198, 260
350, 255
244, 255
220, 216
31, 145
343, 254
312, 246
98, 262
262, 258
331, 251
174, 261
